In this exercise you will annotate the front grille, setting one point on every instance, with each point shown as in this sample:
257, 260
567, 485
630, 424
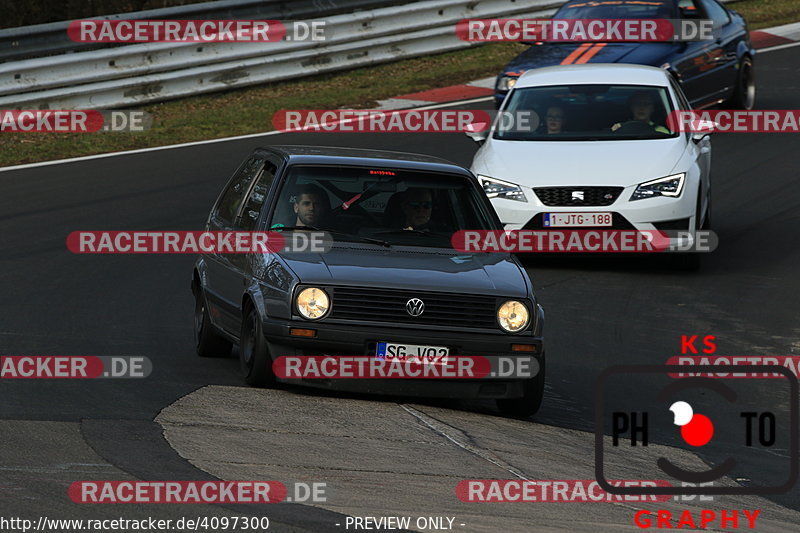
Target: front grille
617, 222
592, 196
365, 304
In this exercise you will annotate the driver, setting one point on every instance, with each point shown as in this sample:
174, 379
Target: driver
554, 119
310, 205
417, 207
642, 106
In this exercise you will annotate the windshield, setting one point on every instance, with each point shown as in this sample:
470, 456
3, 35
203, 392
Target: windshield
589, 112
390, 205
618, 9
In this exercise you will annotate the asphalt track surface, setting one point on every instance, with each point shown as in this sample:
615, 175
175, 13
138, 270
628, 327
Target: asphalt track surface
599, 312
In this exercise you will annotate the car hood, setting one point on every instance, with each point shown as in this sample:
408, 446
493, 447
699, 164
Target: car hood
405, 267
553, 163
550, 54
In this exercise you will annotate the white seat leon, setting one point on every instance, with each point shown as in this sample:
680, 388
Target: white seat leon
598, 152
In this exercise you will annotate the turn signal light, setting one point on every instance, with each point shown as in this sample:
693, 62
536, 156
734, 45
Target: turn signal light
523, 348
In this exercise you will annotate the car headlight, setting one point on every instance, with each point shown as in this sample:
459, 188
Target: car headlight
313, 303
670, 186
505, 83
513, 316
495, 188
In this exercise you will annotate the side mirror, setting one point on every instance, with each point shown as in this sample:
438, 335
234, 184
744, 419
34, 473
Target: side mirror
702, 129
477, 131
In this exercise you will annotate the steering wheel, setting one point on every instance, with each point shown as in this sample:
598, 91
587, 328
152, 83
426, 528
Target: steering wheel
635, 127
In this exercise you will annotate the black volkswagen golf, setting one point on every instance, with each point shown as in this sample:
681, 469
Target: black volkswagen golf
389, 282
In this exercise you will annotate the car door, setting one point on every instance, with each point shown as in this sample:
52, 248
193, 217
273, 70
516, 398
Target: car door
726, 40
698, 59
223, 283
250, 218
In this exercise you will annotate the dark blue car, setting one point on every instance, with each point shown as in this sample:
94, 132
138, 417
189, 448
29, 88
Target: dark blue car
711, 72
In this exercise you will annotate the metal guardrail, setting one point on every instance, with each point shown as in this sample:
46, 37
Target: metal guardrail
42, 40
136, 74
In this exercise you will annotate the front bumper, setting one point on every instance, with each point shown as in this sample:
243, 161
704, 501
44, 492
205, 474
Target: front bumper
641, 215
337, 339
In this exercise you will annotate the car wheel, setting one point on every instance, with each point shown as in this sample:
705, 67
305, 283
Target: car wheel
207, 341
531, 400
707, 221
744, 96
254, 356
691, 261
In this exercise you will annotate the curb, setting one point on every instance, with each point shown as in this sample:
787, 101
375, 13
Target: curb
786, 34
761, 39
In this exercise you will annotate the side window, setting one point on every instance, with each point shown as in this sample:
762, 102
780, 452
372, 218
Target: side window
231, 199
254, 203
716, 12
683, 103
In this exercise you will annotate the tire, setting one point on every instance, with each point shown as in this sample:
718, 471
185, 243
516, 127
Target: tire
692, 261
531, 400
208, 343
254, 357
707, 221
744, 95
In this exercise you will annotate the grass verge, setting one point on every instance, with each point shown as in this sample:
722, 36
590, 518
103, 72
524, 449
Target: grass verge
250, 110
767, 13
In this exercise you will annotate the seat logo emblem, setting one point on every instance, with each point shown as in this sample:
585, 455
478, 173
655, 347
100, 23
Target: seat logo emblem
415, 307
577, 195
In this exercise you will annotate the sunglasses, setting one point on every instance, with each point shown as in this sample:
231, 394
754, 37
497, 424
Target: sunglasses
418, 205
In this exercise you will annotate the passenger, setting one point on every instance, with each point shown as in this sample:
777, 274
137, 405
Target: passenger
417, 208
642, 106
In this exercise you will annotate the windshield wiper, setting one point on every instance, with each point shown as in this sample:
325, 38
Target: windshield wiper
414, 231
334, 232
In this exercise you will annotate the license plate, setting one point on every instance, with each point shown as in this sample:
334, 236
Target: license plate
391, 351
576, 220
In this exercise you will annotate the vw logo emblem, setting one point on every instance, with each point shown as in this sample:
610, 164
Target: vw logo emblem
415, 307
577, 195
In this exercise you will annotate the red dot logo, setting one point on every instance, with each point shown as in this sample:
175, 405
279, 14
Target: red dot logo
696, 429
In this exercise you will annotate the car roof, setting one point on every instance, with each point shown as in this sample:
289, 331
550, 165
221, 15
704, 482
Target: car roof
331, 155
599, 73
667, 2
